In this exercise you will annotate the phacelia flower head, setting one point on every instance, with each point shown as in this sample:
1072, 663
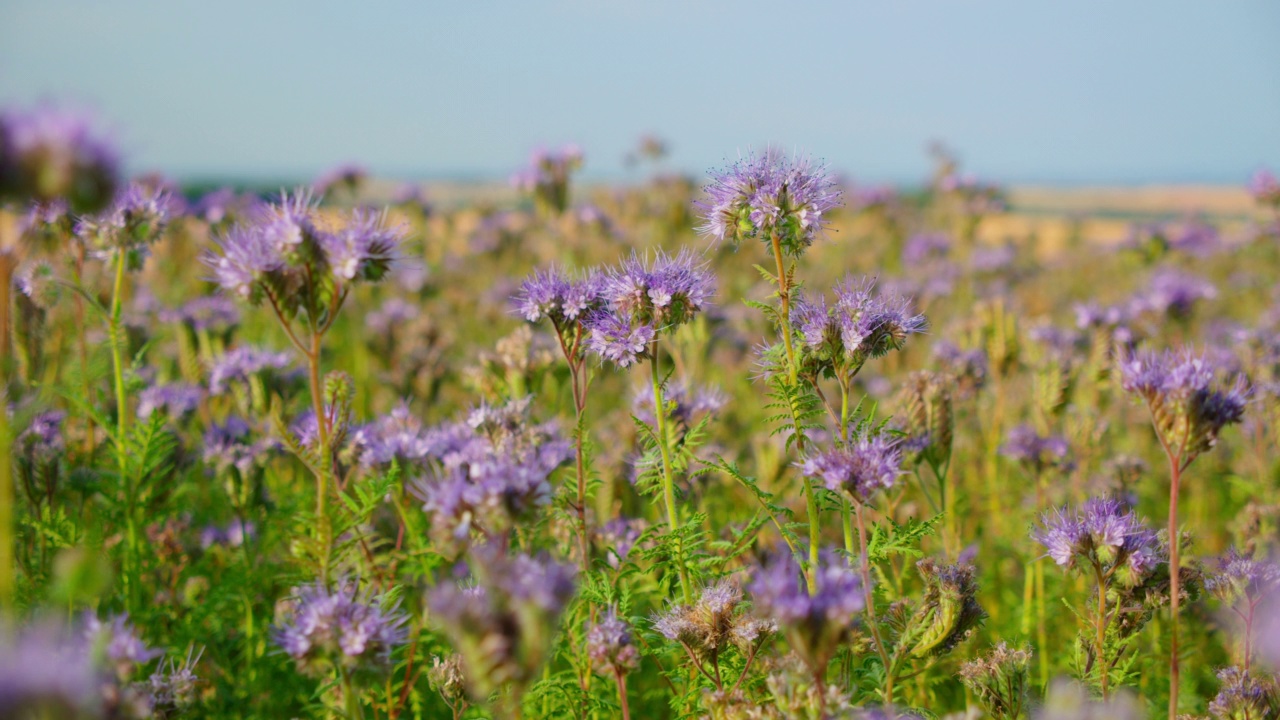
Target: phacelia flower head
42, 441
487, 473
1188, 406
1265, 188
1037, 452
1244, 694
816, 624
1173, 293
176, 400
398, 436
134, 220
1000, 680
1102, 531
616, 339
243, 363
503, 625
231, 445
860, 325
610, 646
47, 153
118, 643
42, 667
686, 405
666, 291
285, 255
1239, 576
211, 313
768, 195
715, 622
859, 468
559, 297
546, 177
344, 627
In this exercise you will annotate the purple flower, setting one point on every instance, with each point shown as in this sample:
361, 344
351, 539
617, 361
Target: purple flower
397, 436
615, 339
686, 405
231, 445
666, 292
213, 313
1038, 452
923, 247
768, 194
134, 220
816, 624
176, 399
618, 537
1244, 695
350, 176
1264, 187
1189, 407
42, 440
225, 204
344, 627
240, 364
1239, 576
393, 314
860, 325
610, 647
546, 176
503, 626
363, 249
859, 468
1173, 293
41, 667
48, 153
119, 644
1102, 531
558, 297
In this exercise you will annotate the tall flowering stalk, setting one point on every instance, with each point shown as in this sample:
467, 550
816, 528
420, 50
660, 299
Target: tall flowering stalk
122, 236
641, 301
1189, 408
782, 202
284, 257
567, 302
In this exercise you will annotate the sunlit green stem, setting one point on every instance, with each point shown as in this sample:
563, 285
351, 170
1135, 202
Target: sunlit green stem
871, 604
668, 477
322, 475
115, 334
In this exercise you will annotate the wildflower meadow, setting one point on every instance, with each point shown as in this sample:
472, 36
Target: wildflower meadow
765, 444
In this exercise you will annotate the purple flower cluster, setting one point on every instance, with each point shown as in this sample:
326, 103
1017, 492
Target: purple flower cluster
211, 313
504, 624
234, 535
556, 296
348, 176
546, 176
715, 622
1265, 188
118, 643
816, 624
1243, 694
42, 667
1188, 406
231, 445
1105, 533
860, 325
610, 647
242, 363
1173, 293
134, 220
47, 153
282, 251
177, 400
642, 298
859, 468
398, 436
770, 196
1038, 452
617, 538
344, 627
1113, 321
488, 472
42, 440
393, 314
1239, 576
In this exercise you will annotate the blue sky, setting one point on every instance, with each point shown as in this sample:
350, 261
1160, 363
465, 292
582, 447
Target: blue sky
1061, 92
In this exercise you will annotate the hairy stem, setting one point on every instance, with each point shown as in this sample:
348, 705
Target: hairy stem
1104, 671
871, 605
326, 454
1175, 477
115, 333
668, 477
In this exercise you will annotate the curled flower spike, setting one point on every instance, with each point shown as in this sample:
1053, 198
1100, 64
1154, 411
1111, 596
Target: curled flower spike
134, 220
1188, 407
767, 194
949, 611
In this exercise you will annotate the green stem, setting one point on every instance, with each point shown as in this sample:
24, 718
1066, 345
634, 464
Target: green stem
322, 433
115, 332
871, 606
668, 477
784, 297
7, 500
1175, 477
1104, 671
350, 700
